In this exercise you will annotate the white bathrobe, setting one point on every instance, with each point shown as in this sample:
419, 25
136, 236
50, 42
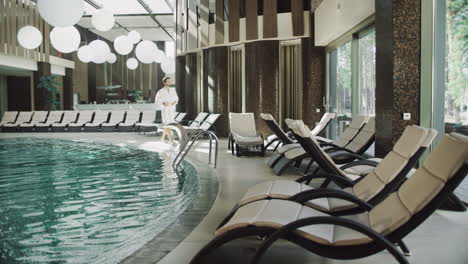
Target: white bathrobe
167, 96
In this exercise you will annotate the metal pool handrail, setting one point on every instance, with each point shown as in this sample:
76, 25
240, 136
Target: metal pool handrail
185, 148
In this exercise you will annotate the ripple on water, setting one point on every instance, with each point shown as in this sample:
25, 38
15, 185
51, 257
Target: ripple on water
75, 202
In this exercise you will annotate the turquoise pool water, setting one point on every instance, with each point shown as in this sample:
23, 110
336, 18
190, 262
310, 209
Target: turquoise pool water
75, 202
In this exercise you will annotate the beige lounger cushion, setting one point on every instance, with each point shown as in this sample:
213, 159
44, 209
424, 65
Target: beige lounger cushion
277, 213
99, 118
8, 117
83, 118
422, 186
23, 117
364, 136
116, 117
351, 131
242, 124
240, 140
54, 117
68, 117
131, 119
326, 118
38, 117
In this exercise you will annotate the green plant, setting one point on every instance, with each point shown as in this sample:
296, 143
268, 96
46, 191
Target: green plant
50, 83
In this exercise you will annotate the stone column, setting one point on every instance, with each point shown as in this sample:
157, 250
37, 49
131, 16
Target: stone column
398, 64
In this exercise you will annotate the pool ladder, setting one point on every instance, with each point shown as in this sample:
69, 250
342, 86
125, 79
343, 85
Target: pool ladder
185, 148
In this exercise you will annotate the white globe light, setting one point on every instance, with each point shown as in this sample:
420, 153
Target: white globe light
29, 37
101, 51
111, 58
85, 54
134, 37
132, 63
103, 20
60, 13
168, 66
123, 45
65, 39
146, 51
160, 56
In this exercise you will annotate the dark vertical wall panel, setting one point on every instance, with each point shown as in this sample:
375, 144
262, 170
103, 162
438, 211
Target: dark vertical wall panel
313, 63
297, 13
262, 86
92, 91
219, 24
190, 86
270, 18
215, 83
68, 89
234, 18
19, 93
180, 88
398, 60
251, 19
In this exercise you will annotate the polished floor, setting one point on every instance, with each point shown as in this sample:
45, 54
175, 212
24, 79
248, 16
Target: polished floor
441, 239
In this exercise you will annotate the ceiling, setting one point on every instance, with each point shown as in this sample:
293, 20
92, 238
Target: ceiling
131, 15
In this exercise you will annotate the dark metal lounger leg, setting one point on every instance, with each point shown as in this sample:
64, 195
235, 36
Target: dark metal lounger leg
404, 248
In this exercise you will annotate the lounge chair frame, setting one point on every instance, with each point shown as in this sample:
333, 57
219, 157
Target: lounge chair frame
281, 137
281, 164
378, 243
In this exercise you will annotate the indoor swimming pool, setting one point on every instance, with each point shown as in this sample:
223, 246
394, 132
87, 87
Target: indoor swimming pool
78, 202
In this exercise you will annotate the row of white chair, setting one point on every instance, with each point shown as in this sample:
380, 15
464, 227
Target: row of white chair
93, 121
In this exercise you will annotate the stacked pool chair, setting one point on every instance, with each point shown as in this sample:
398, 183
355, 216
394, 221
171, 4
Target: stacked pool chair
99, 118
116, 118
23, 117
84, 117
54, 117
8, 118
131, 118
39, 117
68, 118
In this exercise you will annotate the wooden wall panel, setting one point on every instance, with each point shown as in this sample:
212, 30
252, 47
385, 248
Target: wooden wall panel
68, 89
251, 19
219, 23
270, 18
297, 13
234, 20
261, 80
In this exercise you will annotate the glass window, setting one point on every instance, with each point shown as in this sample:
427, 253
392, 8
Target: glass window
456, 68
366, 92
339, 88
344, 73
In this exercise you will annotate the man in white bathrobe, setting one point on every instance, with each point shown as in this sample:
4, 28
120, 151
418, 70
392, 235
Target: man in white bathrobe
167, 99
